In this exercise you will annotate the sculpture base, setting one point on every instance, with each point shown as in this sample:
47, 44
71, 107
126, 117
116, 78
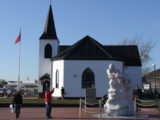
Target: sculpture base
121, 117
121, 108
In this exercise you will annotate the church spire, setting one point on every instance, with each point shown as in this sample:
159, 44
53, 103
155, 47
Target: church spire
49, 29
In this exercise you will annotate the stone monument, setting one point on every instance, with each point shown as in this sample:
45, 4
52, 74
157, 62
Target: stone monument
90, 95
120, 96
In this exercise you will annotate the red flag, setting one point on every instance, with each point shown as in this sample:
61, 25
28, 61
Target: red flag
18, 38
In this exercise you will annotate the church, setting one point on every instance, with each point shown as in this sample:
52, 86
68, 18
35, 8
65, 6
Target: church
83, 64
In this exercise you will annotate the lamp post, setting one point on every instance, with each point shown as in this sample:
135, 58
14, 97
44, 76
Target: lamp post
155, 77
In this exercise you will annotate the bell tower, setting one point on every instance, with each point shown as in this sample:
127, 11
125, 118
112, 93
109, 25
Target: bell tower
48, 48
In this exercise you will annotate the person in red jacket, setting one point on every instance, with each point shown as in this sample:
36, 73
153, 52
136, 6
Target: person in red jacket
48, 101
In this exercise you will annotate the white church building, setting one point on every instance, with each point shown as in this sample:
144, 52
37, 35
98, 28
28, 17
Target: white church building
83, 64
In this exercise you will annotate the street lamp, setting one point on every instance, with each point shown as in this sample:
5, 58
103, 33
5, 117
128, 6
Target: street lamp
155, 77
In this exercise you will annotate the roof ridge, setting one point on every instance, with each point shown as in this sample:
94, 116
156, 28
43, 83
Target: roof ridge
71, 48
101, 47
67, 51
49, 29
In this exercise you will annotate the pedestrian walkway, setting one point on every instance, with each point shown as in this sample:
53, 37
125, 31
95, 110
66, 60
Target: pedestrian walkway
60, 114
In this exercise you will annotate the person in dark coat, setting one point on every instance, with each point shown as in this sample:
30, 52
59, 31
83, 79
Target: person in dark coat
17, 102
137, 94
104, 98
62, 92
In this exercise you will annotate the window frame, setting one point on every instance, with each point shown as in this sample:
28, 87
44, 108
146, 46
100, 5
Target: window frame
57, 79
88, 79
48, 51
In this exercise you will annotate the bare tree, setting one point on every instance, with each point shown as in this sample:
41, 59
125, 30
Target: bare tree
144, 50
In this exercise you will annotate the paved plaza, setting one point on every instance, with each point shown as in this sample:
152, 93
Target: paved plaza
67, 113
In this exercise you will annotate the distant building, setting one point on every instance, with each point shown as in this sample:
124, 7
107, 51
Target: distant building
152, 80
3, 82
83, 64
13, 84
28, 87
3, 86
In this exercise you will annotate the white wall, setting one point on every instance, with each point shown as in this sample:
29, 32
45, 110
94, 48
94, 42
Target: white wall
73, 70
135, 75
58, 65
45, 63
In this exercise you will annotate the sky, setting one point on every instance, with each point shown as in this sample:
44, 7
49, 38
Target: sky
107, 21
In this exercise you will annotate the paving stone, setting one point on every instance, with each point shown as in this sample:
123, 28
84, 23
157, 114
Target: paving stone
67, 113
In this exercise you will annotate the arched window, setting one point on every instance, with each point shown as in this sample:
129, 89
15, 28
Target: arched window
88, 79
57, 79
48, 51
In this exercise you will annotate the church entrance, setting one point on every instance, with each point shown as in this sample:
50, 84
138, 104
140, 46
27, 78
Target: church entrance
46, 84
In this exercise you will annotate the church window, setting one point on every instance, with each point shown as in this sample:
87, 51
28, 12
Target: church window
48, 51
88, 79
57, 79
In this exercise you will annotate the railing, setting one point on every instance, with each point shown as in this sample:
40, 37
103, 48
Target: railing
83, 107
138, 105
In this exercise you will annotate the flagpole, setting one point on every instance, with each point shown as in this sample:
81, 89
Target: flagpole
19, 65
19, 58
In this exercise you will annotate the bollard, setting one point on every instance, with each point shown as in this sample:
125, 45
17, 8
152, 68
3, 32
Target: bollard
80, 108
135, 108
85, 105
100, 104
159, 107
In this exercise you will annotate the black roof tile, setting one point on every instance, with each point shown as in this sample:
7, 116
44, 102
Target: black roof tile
45, 76
129, 53
89, 49
49, 29
85, 49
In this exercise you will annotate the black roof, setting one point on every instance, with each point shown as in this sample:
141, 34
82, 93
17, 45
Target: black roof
89, 49
45, 76
63, 47
49, 29
85, 49
129, 54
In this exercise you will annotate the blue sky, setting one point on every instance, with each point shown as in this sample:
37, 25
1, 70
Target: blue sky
107, 21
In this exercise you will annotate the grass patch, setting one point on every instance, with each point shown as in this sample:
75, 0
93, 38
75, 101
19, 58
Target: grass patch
6, 100
151, 102
59, 101
67, 101
41, 100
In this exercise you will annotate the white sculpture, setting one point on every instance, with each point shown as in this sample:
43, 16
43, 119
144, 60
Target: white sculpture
120, 94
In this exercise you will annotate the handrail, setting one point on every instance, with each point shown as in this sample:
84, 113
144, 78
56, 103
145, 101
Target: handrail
144, 100
83, 107
146, 105
137, 105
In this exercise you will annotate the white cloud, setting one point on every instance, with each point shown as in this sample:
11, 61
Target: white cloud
128, 20
156, 24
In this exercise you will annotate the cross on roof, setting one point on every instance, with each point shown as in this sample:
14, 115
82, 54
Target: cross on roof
50, 2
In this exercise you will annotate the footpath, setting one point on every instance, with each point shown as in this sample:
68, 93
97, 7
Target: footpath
65, 113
